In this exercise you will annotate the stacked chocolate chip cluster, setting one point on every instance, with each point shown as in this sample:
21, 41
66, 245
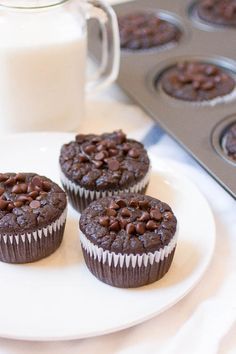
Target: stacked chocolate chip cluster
197, 81
222, 12
17, 190
136, 217
145, 30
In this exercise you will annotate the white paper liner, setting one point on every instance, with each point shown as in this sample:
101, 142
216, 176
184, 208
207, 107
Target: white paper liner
126, 259
38, 234
81, 191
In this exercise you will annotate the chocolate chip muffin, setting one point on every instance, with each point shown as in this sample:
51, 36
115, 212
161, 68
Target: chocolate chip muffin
219, 12
128, 240
32, 217
197, 81
144, 30
229, 141
95, 166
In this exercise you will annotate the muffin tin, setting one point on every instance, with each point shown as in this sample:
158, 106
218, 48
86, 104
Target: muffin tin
198, 127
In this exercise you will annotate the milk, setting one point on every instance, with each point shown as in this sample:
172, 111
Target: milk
42, 69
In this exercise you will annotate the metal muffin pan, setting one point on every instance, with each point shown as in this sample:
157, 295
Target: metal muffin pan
190, 124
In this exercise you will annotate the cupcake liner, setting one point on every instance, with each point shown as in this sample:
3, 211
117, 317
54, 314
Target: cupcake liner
32, 246
127, 270
80, 197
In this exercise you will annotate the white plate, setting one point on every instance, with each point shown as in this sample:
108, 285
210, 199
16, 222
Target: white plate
58, 298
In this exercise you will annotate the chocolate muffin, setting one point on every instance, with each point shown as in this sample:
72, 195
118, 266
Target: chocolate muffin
128, 240
32, 217
219, 12
197, 81
229, 142
95, 166
144, 30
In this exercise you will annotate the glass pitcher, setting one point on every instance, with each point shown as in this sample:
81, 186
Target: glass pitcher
43, 55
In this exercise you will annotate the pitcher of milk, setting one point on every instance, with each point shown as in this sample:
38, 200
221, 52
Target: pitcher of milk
43, 54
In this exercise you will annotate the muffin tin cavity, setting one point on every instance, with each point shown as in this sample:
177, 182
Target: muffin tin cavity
142, 31
224, 139
202, 81
217, 12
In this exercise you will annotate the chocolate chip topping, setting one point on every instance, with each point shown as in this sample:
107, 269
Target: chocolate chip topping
145, 30
28, 201
196, 81
229, 141
104, 162
140, 224
221, 12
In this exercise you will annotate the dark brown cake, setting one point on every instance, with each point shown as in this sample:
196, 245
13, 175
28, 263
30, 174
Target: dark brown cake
32, 217
219, 12
146, 30
229, 142
196, 81
128, 240
94, 166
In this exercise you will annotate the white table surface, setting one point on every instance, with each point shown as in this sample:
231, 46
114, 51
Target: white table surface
205, 320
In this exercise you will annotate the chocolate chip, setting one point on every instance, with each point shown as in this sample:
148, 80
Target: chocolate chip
46, 186
111, 212
134, 153
23, 187
130, 229
113, 165
115, 226
10, 206
151, 225
121, 203
126, 212
155, 214
2, 190
144, 217
99, 156
3, 177
168, 215
113, 205
19, 177
140, 228
30, 188
97, 164
37, 182
18, 204
208, 85
3, 204
143, 204
10, 182
104, 221
16, 189
34, 204
134, 203
123, 223
89, 149
113, 152
82, 158
23, 198
33, 194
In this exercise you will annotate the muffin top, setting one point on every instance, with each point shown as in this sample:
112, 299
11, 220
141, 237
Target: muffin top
221, 12
196, 81
230, 141
28, 202
129, 224
104, 162
143, 30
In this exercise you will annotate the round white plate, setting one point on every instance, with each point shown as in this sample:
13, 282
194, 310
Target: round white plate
58, 298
